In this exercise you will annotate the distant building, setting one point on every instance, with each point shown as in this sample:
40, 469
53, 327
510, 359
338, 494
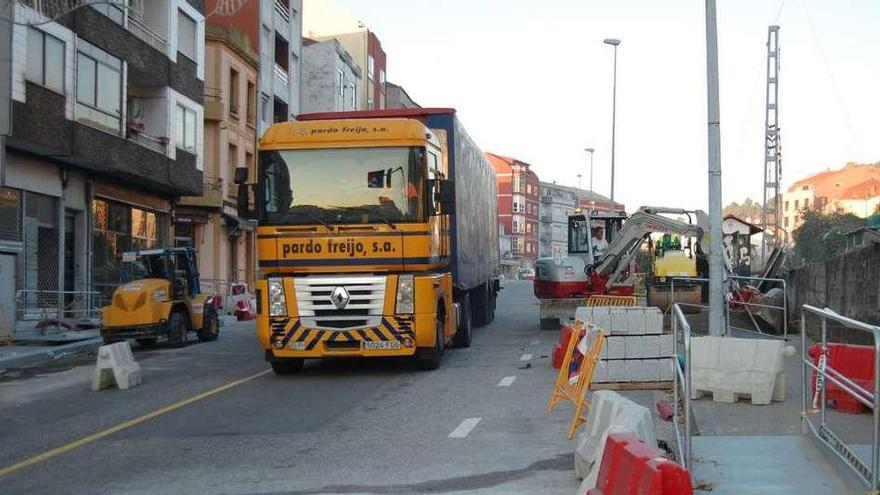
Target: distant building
853, 189
276, 28
518, 205
397, 97
209, 222
557, 203
330, 77
323, 20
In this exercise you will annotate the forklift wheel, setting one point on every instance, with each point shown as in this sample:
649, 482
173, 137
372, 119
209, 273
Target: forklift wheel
177, 329
210, 326
286, 366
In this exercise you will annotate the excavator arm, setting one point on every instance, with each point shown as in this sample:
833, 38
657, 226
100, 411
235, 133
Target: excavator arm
636, 229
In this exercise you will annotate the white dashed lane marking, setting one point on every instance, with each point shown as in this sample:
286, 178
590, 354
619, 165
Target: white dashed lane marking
506, 381
464, 428
525, 357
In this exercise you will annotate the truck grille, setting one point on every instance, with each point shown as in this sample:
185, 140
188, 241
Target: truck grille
364, 308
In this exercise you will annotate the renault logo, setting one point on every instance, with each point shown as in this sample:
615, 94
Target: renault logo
340, 297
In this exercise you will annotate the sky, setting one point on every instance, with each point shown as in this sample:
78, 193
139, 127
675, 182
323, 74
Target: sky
533, 80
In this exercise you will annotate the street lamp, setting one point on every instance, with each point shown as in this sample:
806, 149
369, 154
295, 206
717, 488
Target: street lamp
613, 42
579, 181
590, 151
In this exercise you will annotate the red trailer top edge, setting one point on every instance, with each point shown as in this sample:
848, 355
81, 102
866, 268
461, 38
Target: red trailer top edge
375, 114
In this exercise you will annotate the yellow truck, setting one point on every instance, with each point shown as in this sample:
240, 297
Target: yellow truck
377, 236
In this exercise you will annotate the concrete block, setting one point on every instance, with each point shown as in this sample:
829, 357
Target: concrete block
635, 321
667, 345
731, 368
600, 374
650, 346
605, 406
616, 346
653, 321
601, 318
619, 321
634, 347
584, 314
116, 366
634, 370
667, 372
617, 370
632, 418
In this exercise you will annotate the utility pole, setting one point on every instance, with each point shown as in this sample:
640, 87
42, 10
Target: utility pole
613, 42
772, 159
590, 151
716, 265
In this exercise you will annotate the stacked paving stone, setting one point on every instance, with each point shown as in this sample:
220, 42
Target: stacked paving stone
636, 349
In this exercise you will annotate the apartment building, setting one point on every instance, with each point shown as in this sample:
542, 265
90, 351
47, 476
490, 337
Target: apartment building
518, 192
106, 137
330, 77
323, 20
275, 29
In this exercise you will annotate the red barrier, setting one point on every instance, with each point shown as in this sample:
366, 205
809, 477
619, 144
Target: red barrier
560, 348
855, 362
631, 467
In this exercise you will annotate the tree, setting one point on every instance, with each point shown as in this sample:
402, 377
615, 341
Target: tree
748, 210
821, 235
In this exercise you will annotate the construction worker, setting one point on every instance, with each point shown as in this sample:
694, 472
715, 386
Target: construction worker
599, 242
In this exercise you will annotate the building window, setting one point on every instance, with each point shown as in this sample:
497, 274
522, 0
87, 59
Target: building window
796, 204
98, 88
10, 214
185, 128
786, 206
232, 159
371, 63
807, 203
369, 103
233, 92
251, 105
786, 222
382, 78
186, 35
267, 113
114, 12
353, 96
340, 83
45, 60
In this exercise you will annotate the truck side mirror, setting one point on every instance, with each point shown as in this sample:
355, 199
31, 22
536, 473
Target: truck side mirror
447, 196
244, 196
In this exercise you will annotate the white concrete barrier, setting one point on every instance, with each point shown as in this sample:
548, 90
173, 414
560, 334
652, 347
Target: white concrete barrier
609, 412
730, 368
116, 366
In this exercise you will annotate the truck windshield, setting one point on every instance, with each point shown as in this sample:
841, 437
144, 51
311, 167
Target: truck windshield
342, 185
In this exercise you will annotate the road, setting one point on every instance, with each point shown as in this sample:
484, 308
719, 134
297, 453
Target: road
476, 425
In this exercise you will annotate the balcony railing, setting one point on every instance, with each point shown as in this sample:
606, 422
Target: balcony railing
283, 10
282, 75
137, 26
136, 135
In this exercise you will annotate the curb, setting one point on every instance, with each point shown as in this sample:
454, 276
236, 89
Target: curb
47, 354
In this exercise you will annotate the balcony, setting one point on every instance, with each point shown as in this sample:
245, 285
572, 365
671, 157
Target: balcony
147, 112
547, 200
212, 194
546, 218
139, 27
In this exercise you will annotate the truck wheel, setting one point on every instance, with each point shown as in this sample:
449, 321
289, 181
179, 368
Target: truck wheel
464, 334
286, 366
430, 359
210, 326
178, 328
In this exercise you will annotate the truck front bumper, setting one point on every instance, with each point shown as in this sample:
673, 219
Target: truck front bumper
288, 338
110, 334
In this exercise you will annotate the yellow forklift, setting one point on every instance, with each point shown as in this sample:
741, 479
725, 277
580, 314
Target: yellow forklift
161, 298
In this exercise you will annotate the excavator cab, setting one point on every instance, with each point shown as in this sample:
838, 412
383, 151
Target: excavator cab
160, 297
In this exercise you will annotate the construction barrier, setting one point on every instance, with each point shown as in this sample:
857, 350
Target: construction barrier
729, 368
560, 348
576, 372
854, 362
598, 300
631, 467
116, 366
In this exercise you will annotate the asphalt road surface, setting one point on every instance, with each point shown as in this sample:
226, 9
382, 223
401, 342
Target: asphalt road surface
477, 425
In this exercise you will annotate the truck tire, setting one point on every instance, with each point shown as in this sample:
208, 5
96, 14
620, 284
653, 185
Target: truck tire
480, 302
210, 326
286, 366
430, 359
178, 328
465, 331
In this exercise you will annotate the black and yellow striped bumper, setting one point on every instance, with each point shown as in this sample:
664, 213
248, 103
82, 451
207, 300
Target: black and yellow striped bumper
393, 337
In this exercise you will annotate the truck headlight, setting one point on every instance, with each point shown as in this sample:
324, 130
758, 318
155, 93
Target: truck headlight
277, 301
160, 295
405, 294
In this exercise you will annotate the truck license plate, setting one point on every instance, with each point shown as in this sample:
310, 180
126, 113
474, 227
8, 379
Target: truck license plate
381, 345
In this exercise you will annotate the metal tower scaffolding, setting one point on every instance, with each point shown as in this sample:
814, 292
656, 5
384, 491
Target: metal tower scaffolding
773, 231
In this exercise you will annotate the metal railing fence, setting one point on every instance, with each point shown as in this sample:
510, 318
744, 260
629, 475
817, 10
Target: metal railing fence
681, 387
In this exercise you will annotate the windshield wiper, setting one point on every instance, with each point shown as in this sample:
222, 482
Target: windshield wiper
319, 220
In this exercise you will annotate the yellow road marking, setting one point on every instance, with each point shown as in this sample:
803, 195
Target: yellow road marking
122, 426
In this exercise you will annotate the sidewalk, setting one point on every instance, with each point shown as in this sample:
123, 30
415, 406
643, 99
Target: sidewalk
21, 355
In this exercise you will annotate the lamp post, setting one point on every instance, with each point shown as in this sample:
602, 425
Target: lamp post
613, 42
590, 151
